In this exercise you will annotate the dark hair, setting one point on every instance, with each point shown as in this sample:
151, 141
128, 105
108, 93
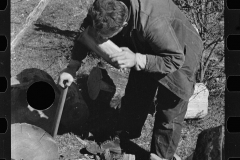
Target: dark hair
108, 15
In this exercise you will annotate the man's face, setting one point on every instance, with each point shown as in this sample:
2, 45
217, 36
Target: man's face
111, 34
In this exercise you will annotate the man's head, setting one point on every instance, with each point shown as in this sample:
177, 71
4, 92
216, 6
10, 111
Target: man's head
109, 17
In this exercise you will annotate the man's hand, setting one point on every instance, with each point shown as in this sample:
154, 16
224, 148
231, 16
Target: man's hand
125, 59
64, 76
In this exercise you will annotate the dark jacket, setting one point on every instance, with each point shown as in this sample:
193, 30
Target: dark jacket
172, 45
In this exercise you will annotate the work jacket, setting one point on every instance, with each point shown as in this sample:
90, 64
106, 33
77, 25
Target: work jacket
158, 29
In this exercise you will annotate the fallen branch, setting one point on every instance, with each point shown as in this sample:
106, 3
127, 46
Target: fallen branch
33, 16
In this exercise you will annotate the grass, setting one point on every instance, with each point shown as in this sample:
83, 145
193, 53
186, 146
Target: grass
47, 46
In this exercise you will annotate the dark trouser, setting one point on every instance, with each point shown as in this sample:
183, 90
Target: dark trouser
171, 109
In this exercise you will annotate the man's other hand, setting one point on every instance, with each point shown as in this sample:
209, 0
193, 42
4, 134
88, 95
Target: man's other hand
125, 59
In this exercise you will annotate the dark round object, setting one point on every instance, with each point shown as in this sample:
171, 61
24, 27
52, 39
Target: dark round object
40, 95
75, 115
29, 142
75, 112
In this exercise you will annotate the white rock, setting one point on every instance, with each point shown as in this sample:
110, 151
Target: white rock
198, 103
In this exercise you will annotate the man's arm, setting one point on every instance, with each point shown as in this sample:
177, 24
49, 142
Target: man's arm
79, 51
168, 53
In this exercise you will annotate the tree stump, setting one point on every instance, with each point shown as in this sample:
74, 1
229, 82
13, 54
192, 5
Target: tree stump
29, 142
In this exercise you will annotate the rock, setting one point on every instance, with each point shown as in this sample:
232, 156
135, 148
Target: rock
198, 103
210, 145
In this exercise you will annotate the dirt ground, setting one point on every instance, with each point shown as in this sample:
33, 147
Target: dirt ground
47, 46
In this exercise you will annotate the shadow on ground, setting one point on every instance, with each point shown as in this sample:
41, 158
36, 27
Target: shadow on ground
48, 28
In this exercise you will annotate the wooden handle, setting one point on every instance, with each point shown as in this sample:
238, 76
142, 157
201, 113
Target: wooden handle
59, 111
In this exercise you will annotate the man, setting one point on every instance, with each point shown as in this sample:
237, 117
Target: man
163, 51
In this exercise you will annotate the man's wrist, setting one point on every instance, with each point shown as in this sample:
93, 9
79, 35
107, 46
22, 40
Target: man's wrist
141, 61
74, 64
72, 67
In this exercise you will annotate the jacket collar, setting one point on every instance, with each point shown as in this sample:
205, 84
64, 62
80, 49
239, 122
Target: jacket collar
132, 5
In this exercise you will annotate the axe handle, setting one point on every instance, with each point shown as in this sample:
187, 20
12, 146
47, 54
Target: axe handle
59, 111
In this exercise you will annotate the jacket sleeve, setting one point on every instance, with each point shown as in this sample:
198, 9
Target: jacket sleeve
168, 54
79, 51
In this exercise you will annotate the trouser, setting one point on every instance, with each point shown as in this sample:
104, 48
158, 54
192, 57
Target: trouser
170, 112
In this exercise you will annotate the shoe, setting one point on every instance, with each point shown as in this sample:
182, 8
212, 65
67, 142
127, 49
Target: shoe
113, 145
93, 148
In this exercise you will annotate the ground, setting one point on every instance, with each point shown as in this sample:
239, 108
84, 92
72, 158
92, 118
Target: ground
47, 44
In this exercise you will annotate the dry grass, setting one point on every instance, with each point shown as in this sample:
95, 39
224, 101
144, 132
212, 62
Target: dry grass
47, 46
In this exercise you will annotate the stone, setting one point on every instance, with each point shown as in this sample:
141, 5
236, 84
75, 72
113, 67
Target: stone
198, 102
210, 145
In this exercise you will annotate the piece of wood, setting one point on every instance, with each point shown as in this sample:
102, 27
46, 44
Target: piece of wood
93, 83
96, 84
198, 103
102, 48
32, 17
